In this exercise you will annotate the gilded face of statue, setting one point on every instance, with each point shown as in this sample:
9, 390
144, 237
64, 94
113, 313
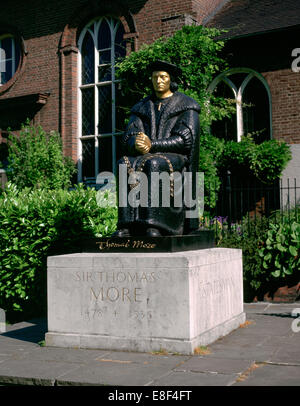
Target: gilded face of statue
161, 83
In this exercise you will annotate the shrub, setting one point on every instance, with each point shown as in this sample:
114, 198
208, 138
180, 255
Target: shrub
210, 151
195, 49
280, 251
265, 161
248, 238
270, 252
36, 223
35, 159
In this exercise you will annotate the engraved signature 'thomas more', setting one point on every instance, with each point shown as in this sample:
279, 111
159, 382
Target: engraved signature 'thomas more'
108, 244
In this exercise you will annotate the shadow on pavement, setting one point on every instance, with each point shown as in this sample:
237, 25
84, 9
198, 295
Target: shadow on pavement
32, 331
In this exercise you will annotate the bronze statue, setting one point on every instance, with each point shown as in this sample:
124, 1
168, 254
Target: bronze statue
162, 136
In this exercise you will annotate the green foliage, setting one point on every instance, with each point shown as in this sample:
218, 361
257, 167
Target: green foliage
36, 223
281, 250
35, 159
248, 237
193, 48
210, 151
265, 161
271, 248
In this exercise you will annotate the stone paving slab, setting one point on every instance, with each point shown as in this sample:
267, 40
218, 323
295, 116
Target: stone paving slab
264, 351
26, 372
188, 378
214, 365
115, 372
273, 375
68, 355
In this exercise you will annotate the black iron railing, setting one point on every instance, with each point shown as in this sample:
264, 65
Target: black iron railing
242, 200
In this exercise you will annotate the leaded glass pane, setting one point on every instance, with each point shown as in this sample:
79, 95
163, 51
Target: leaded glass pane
227, 127
121, 112
105, 109
87, 52
105, 57
119, 151
9, 61
120, 43
8, 74
256, 115
104, 73
17, 55
88, 158
88, 111
6, 45
110, 48
105, 154
104, 35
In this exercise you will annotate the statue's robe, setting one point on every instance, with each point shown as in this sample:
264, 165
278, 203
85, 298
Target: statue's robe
172, 124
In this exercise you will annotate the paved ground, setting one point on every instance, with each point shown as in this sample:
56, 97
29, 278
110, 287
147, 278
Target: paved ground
265, 351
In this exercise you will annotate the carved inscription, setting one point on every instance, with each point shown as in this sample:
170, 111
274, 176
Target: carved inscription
96, 313
111, 277
113, 294
108, 244
110, 287
216, 287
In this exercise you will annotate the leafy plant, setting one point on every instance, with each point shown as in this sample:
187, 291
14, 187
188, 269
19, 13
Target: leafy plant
210, 151
265, 161
248, 236
195, 49
281, 250
35, 159
36, 223
271, 250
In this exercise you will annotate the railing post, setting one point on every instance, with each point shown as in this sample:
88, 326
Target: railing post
228, 187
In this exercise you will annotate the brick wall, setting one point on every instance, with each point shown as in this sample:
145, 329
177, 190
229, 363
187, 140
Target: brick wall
204, 9
285, 90
50, 32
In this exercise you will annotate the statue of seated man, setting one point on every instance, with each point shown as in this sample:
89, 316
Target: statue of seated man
162, 136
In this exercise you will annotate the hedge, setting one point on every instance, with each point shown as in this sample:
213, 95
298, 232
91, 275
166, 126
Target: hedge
36, 223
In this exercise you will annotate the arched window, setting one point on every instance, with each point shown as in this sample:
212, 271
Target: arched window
101, 45
10, 55
251, 96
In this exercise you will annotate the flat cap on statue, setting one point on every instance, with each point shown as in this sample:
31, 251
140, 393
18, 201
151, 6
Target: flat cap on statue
160, 65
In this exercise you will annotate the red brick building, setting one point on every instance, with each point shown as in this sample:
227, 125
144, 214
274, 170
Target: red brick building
57, 66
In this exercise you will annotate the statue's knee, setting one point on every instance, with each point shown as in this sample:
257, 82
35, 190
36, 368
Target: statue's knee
152, 165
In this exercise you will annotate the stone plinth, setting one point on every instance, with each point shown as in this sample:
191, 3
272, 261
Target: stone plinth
2, 321
144, 302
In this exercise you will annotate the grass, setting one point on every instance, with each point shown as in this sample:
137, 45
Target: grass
247, 373
246, 324
202, 350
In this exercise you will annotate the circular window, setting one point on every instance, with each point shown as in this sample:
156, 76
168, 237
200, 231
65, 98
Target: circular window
10, 56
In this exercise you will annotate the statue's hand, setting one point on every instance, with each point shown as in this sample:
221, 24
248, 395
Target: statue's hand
142, 143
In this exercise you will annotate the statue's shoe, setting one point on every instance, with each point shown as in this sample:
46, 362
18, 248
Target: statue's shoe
153, 232
123, 232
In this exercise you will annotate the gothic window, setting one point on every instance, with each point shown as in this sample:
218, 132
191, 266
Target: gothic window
101, 45
250, 95
9, 57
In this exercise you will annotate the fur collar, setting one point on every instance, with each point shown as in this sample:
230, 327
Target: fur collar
178, 103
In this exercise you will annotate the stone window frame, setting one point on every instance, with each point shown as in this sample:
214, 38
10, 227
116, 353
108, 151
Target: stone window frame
96, 136
238, 94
